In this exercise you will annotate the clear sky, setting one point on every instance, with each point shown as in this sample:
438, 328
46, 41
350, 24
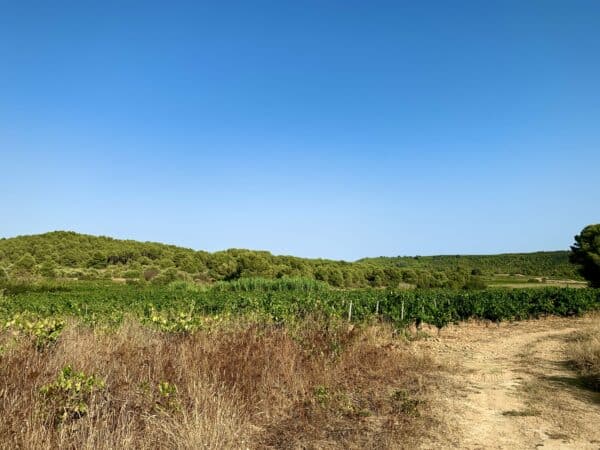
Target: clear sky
314, 128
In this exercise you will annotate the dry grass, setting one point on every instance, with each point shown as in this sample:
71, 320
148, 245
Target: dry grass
584, 353
244, 386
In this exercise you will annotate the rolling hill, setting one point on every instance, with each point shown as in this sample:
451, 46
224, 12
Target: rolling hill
72, 255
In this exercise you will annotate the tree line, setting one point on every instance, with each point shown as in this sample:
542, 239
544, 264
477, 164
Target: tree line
73, 255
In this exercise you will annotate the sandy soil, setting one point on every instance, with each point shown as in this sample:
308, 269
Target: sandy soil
511, 388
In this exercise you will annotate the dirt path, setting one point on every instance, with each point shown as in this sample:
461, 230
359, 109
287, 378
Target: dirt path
511, 388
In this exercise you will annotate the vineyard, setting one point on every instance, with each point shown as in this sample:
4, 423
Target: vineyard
182, 307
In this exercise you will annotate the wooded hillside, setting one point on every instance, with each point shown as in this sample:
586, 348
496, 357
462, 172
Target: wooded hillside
74, 255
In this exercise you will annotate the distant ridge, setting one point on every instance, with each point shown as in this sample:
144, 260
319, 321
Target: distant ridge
548, 263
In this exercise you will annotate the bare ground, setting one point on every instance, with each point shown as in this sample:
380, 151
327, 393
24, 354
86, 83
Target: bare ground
512, 388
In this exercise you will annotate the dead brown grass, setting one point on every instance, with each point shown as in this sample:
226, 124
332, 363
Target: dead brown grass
584, 353
321, 385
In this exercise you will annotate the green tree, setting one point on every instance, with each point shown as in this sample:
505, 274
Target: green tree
165, 263
475, 282
586, 254
187, 264
253, 264
48, 269
70, 258
222, 266
98, 260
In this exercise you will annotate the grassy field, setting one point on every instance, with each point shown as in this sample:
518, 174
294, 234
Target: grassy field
522, 281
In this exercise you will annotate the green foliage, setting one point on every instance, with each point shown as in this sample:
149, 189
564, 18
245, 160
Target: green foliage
168, 397
97, 260
24, 266
322, 395
551, 264
72, 255
44, 331
163, 397
48, 269
585, 253
279, 284
177, 309
131, 274
167, 389
174, 321
68, 397
475, 282
168, 276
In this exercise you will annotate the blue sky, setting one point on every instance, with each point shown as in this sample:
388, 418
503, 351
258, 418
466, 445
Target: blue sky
314, 128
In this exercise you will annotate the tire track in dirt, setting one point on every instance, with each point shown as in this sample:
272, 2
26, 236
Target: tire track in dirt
511, 388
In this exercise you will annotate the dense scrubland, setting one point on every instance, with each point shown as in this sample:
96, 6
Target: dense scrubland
71, 255
549, 264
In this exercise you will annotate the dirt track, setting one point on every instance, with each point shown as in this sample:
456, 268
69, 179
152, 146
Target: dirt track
512, 389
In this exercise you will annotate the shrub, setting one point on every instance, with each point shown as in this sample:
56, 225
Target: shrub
150, 273
43, 331
25, 266
167, 397
48, 269
174, 322
584, 353
169, 275
69, 396
475, 283
131, 274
